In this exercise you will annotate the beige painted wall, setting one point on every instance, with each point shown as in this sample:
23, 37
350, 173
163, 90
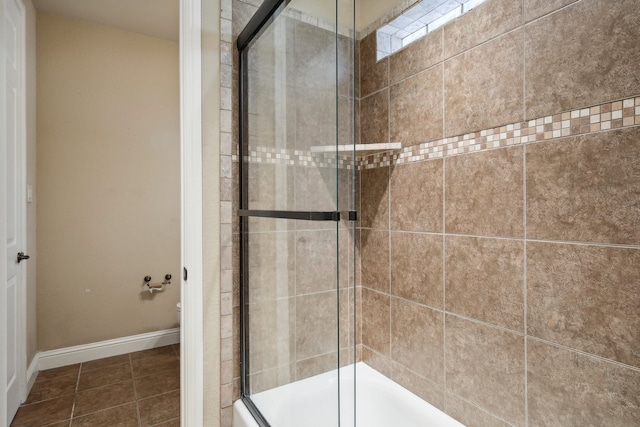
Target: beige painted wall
108, 182
32, 326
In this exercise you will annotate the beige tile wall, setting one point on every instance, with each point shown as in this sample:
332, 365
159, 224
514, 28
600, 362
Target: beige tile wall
501, 285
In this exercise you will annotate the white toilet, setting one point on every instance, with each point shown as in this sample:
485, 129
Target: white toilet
178, 308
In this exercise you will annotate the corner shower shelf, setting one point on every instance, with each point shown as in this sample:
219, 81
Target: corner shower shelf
360, 149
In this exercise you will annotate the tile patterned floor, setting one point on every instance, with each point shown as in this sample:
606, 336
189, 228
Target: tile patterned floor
139, 389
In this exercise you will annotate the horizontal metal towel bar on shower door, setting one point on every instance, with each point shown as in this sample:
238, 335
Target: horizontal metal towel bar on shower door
301, 215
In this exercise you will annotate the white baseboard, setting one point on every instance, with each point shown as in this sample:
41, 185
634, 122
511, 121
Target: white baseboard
32, 373
99, 350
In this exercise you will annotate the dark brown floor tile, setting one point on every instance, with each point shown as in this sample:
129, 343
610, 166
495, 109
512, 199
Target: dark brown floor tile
97, 399
154, 364
58, 372
176, 348
66, 423
105, 376
160, 408
168, 349
160, 383
103, 363
43, 413
50, 389
121, 416
567, 389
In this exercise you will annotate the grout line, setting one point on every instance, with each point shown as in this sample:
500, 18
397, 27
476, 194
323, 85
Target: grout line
444, 278
583, 353
524, 284
475, 405
135, 391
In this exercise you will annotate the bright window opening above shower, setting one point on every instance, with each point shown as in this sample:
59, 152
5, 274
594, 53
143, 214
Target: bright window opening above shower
418, 21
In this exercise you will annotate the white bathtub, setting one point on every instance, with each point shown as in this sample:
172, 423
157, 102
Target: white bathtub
313, 403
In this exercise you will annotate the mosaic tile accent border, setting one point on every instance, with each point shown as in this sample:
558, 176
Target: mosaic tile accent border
281, 156
611, 115
608, 116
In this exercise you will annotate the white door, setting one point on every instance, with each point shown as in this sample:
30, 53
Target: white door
15, 185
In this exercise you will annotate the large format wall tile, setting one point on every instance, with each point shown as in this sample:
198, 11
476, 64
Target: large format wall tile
375, 259
316, 325
470, 415
374, 75
568, 389
491, 19
374, 200
272, 327
375, 321
417, 339
484, 280
536, 8
416, 108
419, 55
271, 265
316, 261
374, 118
583, 55
416, 267
425, 389
484, 194
486, 366
585, 188
483, 86
585, 297
416, 192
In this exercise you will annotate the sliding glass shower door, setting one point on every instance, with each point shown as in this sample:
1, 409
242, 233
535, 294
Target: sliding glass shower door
297, 209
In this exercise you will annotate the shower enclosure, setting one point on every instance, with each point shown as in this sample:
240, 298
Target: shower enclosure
297, 204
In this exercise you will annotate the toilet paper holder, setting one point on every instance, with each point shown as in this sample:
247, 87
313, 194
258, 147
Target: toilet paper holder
157, 286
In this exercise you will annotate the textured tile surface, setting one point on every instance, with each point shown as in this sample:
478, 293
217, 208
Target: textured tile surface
374, 118
160, 408
416, 192
418, 56
121, 416
585, 297
490, 19
316, 324
484, 194
415, 108
43, 413
534, 9
483, 86
374, 202
486, 366
425, 389
374, 75
417, 339
55, 387
99, 398
155, 364
574, 58
105, 376
157, 383
416, 268
484, 280
585, 188
568, 389
375, 260
470, 415
375, 322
